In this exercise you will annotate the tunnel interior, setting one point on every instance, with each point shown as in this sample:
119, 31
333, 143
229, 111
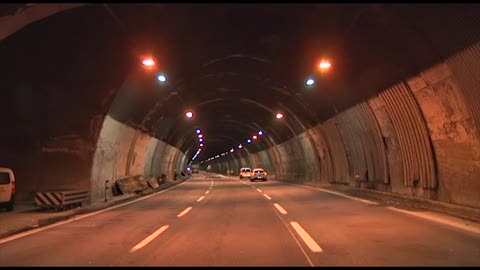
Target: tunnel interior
398, 106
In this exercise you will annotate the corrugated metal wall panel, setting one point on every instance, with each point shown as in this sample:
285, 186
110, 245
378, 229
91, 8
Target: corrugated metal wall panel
348, 126
364, 141
372, 132
368, 142
273, 152
337, 152
465, 66
411, 129
325, 161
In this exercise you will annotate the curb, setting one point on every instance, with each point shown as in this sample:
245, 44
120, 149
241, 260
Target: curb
16, 231
81, 210
87, 209
464, 212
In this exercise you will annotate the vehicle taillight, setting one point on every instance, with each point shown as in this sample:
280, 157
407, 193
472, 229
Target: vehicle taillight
13, 187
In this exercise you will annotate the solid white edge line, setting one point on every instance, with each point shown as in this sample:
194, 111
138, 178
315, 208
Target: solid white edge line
147, 240
184, 212
29, 232
474, 228
280, 208
331, 192
438, 219
314, 247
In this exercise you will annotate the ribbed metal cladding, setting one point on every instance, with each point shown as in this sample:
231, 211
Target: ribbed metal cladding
365, 136
411, 130
373, 133
465, 66
347, 126
325, 164
337, 152
277, 158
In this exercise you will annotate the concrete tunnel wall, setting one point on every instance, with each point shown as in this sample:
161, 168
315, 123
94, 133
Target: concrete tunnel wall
423, 128
59, 137
123, 151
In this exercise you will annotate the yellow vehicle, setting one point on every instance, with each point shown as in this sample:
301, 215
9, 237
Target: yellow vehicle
7, 188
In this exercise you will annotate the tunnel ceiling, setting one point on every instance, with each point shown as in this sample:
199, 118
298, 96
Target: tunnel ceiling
234, 65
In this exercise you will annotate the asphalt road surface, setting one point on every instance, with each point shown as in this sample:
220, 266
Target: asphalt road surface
213, 220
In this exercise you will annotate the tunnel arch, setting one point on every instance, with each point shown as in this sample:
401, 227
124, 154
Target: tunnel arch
26, 14
400, 102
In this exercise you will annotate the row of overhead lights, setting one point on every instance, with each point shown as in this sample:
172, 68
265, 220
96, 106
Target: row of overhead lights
324, 65
240, 146
149, 62
189, 114
200, 138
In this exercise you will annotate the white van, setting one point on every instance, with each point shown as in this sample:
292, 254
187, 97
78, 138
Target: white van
7, 188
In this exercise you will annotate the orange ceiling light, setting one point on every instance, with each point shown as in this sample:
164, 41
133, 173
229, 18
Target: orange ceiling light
148, 62
324, 65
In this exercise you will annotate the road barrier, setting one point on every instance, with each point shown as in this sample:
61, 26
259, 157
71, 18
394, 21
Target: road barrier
61, 199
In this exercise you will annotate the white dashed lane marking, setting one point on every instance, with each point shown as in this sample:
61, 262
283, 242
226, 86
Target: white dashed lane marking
314, 247
280, 208
185, 211
149, 239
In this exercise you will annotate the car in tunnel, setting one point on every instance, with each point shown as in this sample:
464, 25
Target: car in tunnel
381, 104
7, 188
245, 172
195, 168
258, 173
